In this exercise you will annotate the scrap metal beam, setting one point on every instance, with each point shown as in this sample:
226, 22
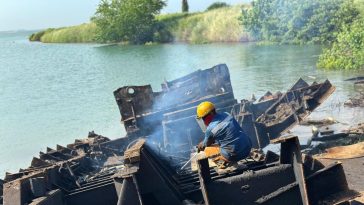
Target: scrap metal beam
291, 154
327, 186
204, 177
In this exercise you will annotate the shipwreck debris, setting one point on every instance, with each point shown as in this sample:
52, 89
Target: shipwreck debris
169, 112
359, 78
144, 166
319, 123
66, 175
356, 101
322, 142
291, 178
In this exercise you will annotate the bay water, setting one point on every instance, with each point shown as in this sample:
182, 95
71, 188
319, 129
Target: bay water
54, 93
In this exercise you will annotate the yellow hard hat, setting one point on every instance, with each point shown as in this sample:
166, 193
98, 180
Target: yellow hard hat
204, 109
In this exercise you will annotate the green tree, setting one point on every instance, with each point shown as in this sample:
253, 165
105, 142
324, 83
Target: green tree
126, 20
184, 6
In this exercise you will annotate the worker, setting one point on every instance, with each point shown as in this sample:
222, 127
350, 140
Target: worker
224, 139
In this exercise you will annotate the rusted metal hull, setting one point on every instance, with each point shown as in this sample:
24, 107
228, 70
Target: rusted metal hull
169, 115
58, 177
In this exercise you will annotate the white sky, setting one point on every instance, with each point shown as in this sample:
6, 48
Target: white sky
38, 14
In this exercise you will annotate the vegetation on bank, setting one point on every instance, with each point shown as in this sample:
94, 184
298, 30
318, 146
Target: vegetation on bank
216, 25
127, 20
347, 52
84, 33
335, 24
38, 35
217, 5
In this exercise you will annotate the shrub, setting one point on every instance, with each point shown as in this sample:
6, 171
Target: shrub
217, 5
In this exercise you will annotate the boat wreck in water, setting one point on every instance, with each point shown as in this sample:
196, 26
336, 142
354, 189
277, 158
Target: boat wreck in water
144, 167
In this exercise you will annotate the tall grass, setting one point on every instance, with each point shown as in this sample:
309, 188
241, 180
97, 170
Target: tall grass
38, 35
83, 33
218, 25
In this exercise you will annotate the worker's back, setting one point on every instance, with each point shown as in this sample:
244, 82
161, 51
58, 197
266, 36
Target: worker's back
225, 130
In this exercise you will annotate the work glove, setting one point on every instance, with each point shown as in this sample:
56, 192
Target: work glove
200, 147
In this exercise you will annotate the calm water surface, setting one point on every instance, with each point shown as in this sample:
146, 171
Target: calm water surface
53, 93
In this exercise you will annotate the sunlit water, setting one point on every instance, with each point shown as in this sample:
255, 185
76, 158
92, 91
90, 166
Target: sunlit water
53, 93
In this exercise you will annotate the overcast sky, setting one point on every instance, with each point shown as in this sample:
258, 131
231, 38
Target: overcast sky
38, 14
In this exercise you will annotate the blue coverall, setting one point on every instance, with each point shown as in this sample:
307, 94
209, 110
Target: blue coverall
225, 130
